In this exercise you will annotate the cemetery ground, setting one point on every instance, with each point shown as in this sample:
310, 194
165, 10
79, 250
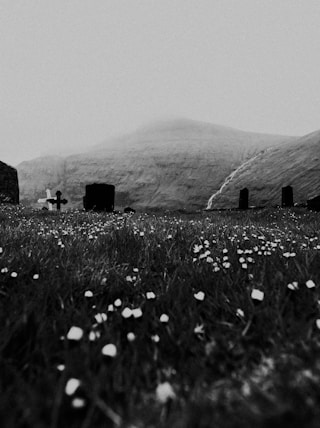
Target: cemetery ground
204, 320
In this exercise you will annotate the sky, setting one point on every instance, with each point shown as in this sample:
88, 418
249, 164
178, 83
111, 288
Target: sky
74, 73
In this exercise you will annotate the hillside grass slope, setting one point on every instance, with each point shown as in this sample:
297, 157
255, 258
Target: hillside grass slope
296, 163
169, 165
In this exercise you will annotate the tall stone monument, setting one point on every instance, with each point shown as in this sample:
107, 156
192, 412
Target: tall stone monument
9, 186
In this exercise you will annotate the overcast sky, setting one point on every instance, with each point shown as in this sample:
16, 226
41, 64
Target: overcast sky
75, 72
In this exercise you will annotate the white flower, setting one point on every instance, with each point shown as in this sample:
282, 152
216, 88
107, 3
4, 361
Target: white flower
36, 276
164, 318
197, 248
155, 338
150, 295
165, 392
318, 323
257, 294
293, 286
14, 274
109, 350
199, 296
75, 333
101, 317
117, 303
78, 403
94, 335
128, 278
126, 313
240, 313
88, 293
131, 336
199, 329
72, 385
110, 308
310, 284
137, 313
61, 367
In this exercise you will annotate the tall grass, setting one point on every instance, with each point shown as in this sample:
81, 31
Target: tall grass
205, 351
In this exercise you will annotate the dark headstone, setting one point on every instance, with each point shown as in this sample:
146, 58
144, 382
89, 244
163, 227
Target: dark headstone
287, 196
9, 187
314, 204
129, 210
99, 197
244, 199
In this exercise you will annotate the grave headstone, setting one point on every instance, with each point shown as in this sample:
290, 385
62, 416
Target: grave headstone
9, 186
44, 200
314, 204
287, 197
244, 199
58, 201
99, 197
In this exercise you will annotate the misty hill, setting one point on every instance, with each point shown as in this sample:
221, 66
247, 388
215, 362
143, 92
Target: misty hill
172, 164
295, 163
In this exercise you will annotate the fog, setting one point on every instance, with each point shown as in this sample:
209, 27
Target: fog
74, 73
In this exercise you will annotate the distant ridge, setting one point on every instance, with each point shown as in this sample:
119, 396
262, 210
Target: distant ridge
181, 130
173, 164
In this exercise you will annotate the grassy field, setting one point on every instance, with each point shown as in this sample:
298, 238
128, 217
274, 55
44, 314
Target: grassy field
204, 320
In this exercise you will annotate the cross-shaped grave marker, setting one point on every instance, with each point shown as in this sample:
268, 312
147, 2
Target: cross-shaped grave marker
58, 200
44, 200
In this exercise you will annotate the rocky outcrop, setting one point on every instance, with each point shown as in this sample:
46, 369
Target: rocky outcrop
9, 187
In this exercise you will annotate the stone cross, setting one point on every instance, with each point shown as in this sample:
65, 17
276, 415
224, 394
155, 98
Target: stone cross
43, 200
58, 200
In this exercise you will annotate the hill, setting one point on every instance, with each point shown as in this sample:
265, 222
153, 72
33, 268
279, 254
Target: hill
295, 163
169, 164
